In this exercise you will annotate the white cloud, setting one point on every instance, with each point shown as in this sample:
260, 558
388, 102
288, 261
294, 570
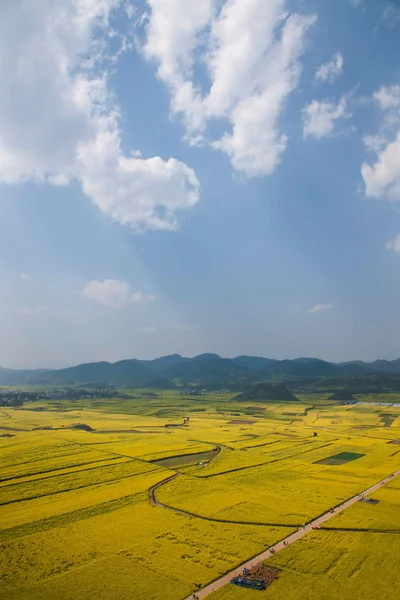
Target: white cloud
388, 97
113, 293
24, 276
251, 50
319, 117
374, 143
394, 244
59, 120
319, 308
382, 178
391, 14
331, 70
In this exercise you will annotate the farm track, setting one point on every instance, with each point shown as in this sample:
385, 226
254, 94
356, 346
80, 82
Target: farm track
287, 541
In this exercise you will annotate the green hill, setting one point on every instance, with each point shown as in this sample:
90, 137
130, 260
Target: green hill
127, 372
264, 392
206, 370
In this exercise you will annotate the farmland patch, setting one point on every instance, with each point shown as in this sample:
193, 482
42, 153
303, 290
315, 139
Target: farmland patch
186, 459
339, 459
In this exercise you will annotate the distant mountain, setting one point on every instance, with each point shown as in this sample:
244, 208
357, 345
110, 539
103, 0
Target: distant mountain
210, 369
16, 377
206, 356
353, 369
300, 369
126, 372
305, 360
160, 384
163, 363
305, 368
391, 366
358, 367
206, 370
265, 392
379, 382
359, 363
253, 363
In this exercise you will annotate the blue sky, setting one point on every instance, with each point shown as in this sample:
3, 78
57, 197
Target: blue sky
217, 176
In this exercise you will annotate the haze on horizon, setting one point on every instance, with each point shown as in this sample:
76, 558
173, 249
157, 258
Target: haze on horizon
166, 186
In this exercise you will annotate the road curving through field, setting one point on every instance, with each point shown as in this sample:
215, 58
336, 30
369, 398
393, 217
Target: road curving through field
284, 543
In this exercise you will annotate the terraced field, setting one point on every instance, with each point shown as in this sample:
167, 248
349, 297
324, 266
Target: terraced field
76, 520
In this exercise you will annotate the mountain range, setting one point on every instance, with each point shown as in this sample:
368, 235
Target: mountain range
205, 369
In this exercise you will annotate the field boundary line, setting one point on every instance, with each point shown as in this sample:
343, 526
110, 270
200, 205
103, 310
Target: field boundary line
361, 530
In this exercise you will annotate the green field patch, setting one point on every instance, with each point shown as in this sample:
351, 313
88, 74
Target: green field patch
339, 459
186, 459
387, 419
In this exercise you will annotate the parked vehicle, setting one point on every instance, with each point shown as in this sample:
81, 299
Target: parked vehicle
249, 583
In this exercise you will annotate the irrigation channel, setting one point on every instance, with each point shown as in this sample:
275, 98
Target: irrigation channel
278, 547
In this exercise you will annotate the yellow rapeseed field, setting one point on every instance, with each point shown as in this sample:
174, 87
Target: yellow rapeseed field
76, 521
332, 566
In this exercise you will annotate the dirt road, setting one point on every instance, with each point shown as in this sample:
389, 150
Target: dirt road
152, 492
290, 539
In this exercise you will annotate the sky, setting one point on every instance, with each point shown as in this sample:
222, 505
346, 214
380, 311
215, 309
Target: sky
210, 176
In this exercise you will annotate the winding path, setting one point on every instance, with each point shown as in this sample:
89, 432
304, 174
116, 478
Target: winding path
284, 543
152, 493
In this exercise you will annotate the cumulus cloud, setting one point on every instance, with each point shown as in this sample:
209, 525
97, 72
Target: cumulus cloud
113, 293
319, 117
251, 50
394, 244
382, 178
319, 308
59, 120
388, 97
331, 70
